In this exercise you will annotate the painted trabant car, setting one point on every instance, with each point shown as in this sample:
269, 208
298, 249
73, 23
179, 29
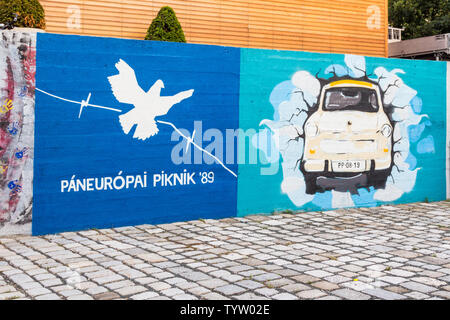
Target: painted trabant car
348, 139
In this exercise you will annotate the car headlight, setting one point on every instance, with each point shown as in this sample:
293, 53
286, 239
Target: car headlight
386, 130
311, 129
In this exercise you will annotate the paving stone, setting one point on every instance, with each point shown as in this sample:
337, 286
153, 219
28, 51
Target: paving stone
383, 294
184, 297
159, 286
393, 280
68, 293
250, 296
172, 292
429, 281
417, 295
127, 291
337, 279
38, 291
329, 298
310, 294
106, 296
50, 296
80, 297
6, 289
195, 276
415, 286
325, 285
319, 273
350, 294
214, 296
108, 279
144, 295
358, 285
96, 290
198, 290
442, 294
307, 279
230, 289
401, 273
284, 296
249, 284
396, 289
267, 292
21, 278
51, 282
295, 287
212, 283
11, 295
119, 284
266, 277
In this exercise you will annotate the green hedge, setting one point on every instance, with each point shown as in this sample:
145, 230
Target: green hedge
165, 27
31, 14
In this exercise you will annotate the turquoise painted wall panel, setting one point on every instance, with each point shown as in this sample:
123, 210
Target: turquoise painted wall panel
334, 131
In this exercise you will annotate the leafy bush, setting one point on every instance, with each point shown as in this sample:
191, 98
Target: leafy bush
165, 27
30, 13
420, 18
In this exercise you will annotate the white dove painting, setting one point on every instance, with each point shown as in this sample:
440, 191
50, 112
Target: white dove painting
147, 105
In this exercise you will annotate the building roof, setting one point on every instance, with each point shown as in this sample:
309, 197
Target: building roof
434, 46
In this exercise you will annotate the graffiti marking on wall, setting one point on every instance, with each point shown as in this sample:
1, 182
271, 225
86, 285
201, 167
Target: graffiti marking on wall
83, 103
17, 81
6, 106
3, 169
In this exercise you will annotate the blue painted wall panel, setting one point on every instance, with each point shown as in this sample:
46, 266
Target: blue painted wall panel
95, 146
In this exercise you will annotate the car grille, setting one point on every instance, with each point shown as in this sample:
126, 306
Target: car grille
348, 146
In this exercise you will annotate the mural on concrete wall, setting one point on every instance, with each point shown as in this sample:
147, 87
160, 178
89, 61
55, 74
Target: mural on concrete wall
345, 137
344, 130
340, 131
126, 155
17, 84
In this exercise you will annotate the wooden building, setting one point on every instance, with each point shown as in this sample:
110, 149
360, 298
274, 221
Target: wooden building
332, 26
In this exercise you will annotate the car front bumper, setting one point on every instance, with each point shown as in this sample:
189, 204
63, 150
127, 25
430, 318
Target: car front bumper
316, 166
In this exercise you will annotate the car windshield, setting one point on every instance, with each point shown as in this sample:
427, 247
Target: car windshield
351, 99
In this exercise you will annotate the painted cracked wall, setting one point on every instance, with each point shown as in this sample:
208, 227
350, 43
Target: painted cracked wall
17, 83
338, 131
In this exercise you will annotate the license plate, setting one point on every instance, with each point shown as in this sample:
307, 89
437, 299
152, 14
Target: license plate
349, 166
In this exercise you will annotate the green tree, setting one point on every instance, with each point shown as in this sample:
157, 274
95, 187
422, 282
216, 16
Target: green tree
166, 27
30, 13
420, 18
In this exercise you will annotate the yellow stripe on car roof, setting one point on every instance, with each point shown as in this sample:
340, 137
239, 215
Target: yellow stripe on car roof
359, 83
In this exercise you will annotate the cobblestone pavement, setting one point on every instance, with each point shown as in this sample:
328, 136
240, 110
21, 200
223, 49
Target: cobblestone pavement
400, 252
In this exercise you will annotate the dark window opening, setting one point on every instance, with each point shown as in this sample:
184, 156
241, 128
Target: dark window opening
351, 99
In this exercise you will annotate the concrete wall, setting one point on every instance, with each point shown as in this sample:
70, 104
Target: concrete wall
131, 132
17, 83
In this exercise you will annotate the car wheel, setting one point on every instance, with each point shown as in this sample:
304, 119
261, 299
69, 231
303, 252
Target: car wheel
311, 183
378, 179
